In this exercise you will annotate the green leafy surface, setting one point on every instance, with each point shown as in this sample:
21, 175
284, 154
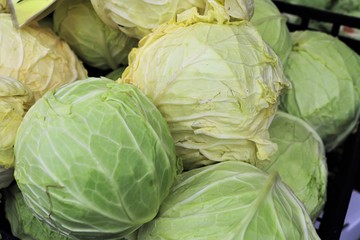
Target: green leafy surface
97, 160
229, 200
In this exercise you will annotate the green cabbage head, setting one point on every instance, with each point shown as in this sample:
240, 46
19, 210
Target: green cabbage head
15, 100
37, 57
300, 160
271, 24
217, 85
324, 73
349, 7
99, 46
229, 200
94, 159
24, 225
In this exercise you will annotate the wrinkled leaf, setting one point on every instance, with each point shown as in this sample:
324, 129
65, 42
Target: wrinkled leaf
229, 200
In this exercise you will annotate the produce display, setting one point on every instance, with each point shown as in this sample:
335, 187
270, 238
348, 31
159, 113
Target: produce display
172, 119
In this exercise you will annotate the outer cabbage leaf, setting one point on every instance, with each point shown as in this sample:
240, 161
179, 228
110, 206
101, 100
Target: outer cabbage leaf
271, 24
220, 11
229, 200
138, 18
135, 18
99, 46
217, 85
24, 225
184, 5
97, 160
300, 160
324, 73
15, 100
240, 9
37, 57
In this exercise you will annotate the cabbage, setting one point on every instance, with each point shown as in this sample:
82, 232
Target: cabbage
15, 100
324, 73
137, 18
221, 11
94, 159
300, 160
350, 7
229, 200
271, 24
37, 57
217, 85
238, 9
99, 46
24, 225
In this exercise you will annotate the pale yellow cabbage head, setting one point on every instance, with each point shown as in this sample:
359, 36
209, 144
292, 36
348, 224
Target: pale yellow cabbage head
37, 57
217, 85
138, 18
15, 100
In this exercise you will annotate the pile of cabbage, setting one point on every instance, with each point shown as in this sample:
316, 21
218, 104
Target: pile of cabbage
174, 119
